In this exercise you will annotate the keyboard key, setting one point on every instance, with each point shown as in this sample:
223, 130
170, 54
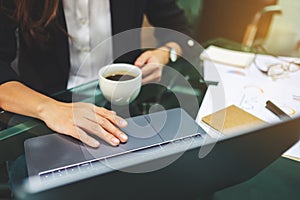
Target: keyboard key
46, 176
59, 173
85, 167
97, 164
72, 170
187, 139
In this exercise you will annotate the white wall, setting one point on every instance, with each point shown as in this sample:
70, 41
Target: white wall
285, 30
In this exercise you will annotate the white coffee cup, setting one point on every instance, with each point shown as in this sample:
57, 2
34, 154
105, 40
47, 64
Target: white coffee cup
120, 83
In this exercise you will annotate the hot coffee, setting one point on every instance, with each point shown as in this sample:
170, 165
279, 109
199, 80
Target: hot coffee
120, 83
119, 77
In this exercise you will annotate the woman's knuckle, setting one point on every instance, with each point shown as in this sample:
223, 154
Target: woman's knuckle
94, 127
102, 122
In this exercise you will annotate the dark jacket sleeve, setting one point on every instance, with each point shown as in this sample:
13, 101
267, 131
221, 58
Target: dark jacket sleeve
8, 47
171, 22
166, 14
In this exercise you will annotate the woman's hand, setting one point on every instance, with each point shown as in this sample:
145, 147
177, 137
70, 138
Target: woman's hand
76, 119
151, 63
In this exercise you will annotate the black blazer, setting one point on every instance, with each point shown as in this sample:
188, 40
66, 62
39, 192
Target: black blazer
46, 69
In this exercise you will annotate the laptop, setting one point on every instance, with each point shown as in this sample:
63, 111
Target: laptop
167, 162
56, 155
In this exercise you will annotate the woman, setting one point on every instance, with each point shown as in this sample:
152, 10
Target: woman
51, 35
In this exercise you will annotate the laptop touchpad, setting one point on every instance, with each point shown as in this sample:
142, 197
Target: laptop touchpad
140, 135
172, 124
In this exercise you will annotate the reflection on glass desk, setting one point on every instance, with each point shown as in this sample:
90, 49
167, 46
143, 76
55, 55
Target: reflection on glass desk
184, 83
281, 176
280, 180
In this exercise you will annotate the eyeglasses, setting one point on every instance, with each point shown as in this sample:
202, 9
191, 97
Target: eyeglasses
275, 66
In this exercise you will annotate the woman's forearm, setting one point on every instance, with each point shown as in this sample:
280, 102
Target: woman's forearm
74, 119
17, 98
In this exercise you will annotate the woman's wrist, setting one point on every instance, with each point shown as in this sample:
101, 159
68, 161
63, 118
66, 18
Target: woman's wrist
45, 107
169, 49
164, 54
175, 46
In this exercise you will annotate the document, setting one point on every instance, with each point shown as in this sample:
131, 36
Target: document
249, 89
228, 57
293, 153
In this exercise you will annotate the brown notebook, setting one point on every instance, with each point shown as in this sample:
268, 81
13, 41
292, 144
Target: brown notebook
231, 119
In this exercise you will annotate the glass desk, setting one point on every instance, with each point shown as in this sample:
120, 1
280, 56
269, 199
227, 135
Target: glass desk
280, 180
15, 129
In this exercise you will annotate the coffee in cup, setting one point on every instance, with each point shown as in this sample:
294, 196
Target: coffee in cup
120, 83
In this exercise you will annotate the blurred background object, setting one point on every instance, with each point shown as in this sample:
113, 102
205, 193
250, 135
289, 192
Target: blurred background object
284, 35
253, 27
229, 19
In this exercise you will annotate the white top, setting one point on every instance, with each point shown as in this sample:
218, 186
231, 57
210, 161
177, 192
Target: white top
89, 27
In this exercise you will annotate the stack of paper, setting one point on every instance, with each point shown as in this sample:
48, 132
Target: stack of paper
293, 153
228, 57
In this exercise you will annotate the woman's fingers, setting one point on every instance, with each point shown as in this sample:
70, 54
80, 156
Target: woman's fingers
99, 131
142, 59
84, 137
80, 119
108, 125
151, 64
149, 69
111, 116
102, 123
152, 73
110, 128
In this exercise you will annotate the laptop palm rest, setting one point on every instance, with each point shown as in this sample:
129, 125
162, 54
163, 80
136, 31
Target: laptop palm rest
53, 151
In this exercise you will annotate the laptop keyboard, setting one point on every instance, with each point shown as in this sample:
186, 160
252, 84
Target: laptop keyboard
87, 166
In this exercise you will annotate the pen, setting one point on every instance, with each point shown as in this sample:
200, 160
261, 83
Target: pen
214, 83
277, 111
